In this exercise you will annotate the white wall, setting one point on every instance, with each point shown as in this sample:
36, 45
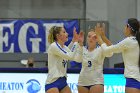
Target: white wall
138, 9
97, 10
41, 8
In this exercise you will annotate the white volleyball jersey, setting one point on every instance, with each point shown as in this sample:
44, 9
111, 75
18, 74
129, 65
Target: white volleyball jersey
57, 60
92, 66
130, 52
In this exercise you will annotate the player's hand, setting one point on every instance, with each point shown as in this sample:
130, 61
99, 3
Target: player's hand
75, 35
100, 29
103, 29
81, 38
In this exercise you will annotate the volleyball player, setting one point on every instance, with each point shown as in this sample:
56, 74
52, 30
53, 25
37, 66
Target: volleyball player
130, 49
58, 56
92, 57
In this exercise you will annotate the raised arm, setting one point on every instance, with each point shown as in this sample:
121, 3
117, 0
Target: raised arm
79, 53
74, 39
66, 54
117, 48
105, 39
104, 42
100, 32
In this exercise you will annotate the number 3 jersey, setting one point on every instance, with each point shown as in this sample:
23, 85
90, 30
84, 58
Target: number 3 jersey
92, 66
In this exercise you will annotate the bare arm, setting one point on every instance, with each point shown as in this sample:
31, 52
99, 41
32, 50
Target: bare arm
100, 32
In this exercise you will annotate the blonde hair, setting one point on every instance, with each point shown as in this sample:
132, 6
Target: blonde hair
52, 34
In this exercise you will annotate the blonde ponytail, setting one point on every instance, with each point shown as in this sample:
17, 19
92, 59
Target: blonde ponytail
50, 36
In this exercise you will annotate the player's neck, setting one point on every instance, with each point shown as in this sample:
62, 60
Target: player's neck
60, 43
91, 48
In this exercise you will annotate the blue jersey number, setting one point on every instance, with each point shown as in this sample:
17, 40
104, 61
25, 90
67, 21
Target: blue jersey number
64, 63
89, 64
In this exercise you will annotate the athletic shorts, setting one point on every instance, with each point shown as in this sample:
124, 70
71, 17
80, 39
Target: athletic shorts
60, 83
132, 83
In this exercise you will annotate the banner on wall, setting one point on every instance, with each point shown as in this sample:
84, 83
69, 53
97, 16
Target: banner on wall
35, 83
30, 36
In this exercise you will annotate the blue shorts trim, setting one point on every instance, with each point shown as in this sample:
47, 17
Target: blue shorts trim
130, 82
88, 87
60, 83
